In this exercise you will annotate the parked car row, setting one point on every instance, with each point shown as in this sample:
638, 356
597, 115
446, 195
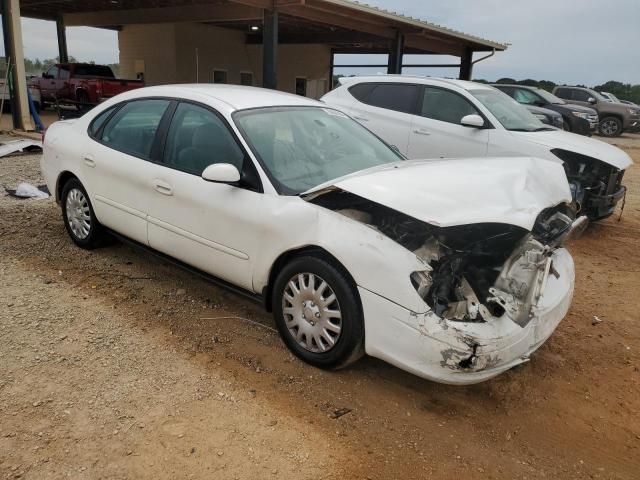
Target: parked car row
615, 117
574, 118
439, 118
452, 269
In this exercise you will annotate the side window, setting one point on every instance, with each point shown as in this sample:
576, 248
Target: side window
52, 72
394, 96
446, 106
198, 138
563, 93
98, 122
508, 90
133, 128
581, 95
65, 74
362, 91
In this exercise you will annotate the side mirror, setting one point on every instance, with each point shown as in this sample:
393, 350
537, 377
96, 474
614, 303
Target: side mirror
475, 121
221, 173
592, 101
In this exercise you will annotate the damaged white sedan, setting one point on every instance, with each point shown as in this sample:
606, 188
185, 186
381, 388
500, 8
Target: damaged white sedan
451, 270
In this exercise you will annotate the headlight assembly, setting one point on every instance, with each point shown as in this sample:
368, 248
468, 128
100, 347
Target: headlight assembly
581, 115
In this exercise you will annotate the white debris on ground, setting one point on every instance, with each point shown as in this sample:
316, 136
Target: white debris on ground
26, 190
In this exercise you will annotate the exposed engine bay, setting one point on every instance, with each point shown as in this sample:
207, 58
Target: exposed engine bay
591, 182
477, 271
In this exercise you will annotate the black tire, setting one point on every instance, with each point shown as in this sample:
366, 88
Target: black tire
96, 234
610, 127
349, 346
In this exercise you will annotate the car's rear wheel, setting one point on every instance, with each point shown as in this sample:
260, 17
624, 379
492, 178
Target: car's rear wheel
318, 313
611, 127
79, 219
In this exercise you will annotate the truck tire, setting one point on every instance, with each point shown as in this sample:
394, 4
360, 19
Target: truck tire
610, 127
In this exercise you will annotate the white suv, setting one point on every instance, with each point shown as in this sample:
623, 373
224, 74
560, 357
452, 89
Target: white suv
438, 118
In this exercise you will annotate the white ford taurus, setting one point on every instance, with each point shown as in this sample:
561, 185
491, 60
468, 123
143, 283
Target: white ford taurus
452, 270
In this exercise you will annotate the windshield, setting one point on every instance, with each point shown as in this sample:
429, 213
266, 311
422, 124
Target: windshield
550, 97
612, 97
509, 113
303, 147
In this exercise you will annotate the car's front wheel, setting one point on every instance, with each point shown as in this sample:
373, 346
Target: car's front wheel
611, 127
79, 219
318, 313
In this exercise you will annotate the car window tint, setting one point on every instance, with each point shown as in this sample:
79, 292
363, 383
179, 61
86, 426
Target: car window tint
446, 106
198, 138
53, 72
563, 93
361, 91
581, 96
97, 122
64, 72
394, 96
526, 97
133, 128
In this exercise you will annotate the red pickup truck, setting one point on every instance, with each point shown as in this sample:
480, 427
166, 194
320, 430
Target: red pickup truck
84, 83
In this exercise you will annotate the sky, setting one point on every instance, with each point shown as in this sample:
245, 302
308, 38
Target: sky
565, 41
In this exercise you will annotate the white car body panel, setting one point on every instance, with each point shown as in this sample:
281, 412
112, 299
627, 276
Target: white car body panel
238, 235
454, 141
454, 191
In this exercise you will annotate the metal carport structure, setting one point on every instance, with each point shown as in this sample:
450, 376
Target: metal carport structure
347, 26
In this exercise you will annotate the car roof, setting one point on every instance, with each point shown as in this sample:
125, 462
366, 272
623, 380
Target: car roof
464, 84
514, 85
237, 97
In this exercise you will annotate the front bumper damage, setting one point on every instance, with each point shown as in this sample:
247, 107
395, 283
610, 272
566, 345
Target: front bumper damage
462, 353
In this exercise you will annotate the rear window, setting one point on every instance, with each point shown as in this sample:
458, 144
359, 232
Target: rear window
399, 97
93, 71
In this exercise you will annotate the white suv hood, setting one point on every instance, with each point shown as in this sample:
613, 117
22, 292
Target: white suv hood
448, 192
580, 144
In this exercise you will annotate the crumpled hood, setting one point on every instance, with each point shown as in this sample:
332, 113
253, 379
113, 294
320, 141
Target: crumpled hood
580, 144
449, 192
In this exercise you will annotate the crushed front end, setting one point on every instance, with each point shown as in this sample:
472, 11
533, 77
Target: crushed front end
494, 292
596, 186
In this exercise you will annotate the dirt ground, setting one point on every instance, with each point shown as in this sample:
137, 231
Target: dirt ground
114, 365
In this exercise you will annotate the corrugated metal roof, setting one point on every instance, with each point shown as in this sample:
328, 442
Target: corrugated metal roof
416, 22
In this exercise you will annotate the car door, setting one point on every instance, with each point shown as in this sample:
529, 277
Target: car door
386, 109
49, 83
63, 84
436, 132
117, 164
211, 226
581, 97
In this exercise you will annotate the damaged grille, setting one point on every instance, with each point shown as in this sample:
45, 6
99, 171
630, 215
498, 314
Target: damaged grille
477, 271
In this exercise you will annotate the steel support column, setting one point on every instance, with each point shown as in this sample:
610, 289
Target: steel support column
63, 53
466, 64
14, 51
396, 54
270, 49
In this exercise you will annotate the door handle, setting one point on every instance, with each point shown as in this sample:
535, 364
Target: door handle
162, 187
421, 131
89, 162
361, 119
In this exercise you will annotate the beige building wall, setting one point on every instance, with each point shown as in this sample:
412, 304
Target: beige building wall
148, 49
190, 52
